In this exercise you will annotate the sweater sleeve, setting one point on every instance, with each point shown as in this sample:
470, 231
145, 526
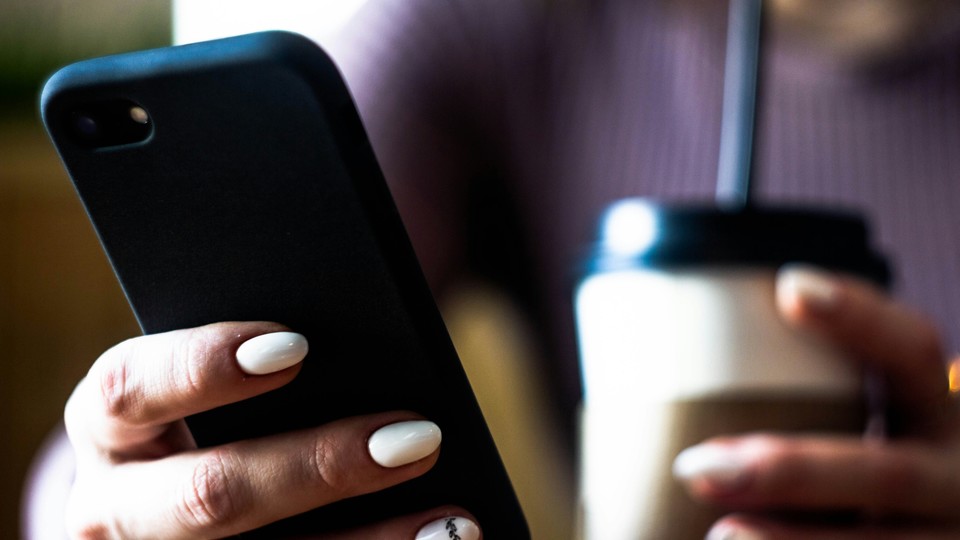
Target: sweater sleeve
429, 80
392, 55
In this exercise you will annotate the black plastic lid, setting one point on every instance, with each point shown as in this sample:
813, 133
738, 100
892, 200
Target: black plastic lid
641, 233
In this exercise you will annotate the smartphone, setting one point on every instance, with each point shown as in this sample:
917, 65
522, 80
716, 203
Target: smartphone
232, 180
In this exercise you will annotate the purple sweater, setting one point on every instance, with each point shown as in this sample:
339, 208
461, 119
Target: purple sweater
505, 127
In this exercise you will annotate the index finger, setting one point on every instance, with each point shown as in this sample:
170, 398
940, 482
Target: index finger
897, 342
135, 389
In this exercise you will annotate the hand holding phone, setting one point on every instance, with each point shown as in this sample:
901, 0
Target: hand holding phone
141, 474
232, 181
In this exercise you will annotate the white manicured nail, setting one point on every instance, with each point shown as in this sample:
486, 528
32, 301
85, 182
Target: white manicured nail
270, 353
456, 528
722, 467
404, 442
809, 284
730, 532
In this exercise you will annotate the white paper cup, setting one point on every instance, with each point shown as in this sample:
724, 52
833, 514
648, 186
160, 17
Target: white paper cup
678, 346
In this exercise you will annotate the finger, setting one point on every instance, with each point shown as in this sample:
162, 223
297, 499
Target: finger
134, 390
762, 472
897, 342
241, 486
444, 523
754, 528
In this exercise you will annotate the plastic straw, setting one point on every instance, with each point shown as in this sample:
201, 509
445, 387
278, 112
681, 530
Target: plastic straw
739, 104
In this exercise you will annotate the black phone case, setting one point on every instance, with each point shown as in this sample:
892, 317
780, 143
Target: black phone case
258, 197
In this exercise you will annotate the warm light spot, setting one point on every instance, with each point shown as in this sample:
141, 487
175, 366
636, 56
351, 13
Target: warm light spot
953, 375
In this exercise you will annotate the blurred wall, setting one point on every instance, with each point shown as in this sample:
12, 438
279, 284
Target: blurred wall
59, 303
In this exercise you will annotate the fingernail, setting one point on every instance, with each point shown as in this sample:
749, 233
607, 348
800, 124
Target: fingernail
404, 442
808, 285
270, 353
449, 528
721, 467
731, 532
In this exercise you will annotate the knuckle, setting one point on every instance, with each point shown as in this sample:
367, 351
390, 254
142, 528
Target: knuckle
325, 470
214, 495
118, 394
195, 349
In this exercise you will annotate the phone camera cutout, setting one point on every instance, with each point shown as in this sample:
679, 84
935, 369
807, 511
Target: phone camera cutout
105, 124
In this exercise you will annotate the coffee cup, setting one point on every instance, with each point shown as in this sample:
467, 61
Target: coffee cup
680, 340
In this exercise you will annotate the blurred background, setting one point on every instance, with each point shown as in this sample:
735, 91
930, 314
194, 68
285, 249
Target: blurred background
60, 305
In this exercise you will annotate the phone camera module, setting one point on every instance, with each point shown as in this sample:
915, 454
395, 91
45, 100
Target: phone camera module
105, 124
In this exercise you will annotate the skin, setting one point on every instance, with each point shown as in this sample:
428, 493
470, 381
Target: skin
125, 422
906, 486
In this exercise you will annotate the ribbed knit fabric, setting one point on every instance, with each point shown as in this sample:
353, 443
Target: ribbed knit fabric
569, 105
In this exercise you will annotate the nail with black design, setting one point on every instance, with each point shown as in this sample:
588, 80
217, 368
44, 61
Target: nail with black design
450, 528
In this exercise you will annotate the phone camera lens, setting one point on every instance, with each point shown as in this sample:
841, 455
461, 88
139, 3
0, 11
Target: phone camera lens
86, 126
